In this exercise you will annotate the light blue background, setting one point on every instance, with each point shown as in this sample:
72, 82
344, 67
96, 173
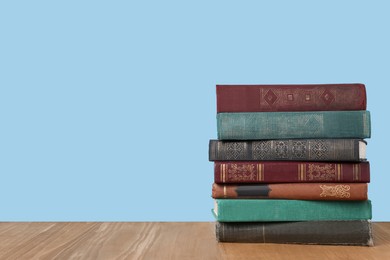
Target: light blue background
107, 107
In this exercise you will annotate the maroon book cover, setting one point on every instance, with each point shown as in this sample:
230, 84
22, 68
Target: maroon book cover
289, 171
274, 98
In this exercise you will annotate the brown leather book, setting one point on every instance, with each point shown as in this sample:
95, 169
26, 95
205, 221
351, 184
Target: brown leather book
292, 191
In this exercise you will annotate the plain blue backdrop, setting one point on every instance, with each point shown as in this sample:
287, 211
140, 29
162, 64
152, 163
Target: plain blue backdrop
107, 107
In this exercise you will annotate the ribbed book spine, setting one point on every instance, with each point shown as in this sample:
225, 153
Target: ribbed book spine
292, 191
357, 233
249, 210
293, 125
292, 150
289, 171
311, 97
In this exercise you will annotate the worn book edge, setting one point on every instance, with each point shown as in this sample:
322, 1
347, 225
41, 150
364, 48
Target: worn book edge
362, 150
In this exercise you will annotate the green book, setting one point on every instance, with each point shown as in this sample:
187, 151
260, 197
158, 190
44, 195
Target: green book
292, 125
252, 210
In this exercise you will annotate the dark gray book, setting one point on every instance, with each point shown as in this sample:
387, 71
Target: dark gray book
354, 233
289, 149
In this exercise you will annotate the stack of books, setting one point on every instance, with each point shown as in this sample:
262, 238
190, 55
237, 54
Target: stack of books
290, 164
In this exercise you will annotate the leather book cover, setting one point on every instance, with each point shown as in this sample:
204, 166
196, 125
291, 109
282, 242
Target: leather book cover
289, 171
292, 191
294, 125
273, 98
288, 150
355, 233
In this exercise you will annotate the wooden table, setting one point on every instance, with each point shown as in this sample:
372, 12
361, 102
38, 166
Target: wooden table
161, 240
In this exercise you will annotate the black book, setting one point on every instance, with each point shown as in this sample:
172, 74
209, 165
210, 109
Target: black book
288, 149
354, 233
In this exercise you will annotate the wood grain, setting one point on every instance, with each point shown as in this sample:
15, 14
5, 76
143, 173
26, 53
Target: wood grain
161, 240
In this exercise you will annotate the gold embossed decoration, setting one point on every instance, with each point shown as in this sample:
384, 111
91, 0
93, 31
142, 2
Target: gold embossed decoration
241, 173
338, 191
321, 172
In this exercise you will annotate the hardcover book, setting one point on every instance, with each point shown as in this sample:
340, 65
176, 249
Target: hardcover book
272, 98
291, 150
258, 210
292, 191
293, 125
289, 171
357, 233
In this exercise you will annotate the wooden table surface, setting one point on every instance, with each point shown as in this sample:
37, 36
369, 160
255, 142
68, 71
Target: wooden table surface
161, 240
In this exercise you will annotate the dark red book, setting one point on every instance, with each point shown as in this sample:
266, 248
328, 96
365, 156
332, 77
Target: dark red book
289, 171
310, 97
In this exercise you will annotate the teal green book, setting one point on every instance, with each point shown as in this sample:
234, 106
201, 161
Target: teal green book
252, 210
292, 125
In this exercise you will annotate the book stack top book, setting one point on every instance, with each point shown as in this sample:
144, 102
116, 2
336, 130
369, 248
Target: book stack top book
290, 98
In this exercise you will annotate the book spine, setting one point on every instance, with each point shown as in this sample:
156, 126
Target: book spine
292, 150
253, 210
357, 233
289, 171
268, 98
292, 191
293, 125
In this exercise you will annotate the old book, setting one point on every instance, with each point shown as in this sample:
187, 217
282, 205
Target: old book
258, 210
291, 150
292, 191
289, 171
356, 233
293, 125
311, 97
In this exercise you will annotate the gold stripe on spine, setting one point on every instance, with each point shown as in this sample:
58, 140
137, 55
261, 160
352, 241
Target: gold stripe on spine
224, 191
341, 170
338, 172
220, 173
224, 173
262, 171
356, 172
304, 171
258, 172
299, 172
